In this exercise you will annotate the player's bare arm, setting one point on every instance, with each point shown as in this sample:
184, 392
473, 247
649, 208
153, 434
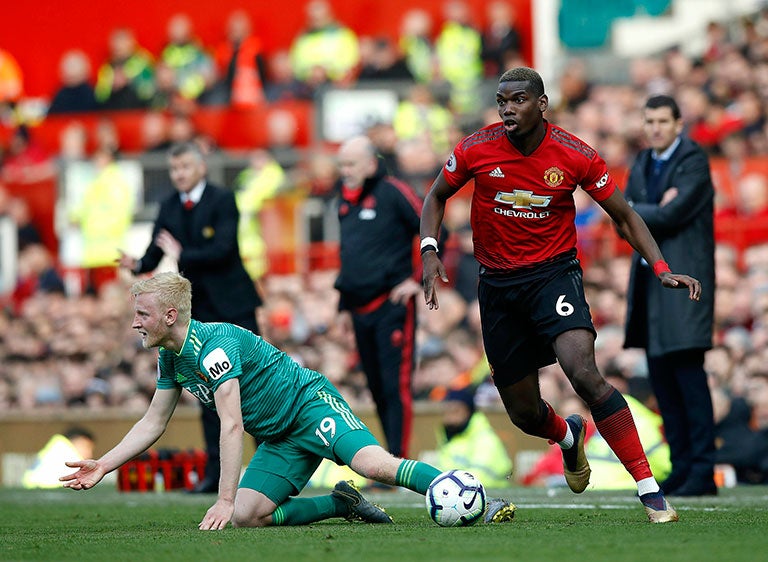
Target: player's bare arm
431, 218
635, 231
227, 398
141, 436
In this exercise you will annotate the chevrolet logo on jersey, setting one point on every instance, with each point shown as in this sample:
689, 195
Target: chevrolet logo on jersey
522, 199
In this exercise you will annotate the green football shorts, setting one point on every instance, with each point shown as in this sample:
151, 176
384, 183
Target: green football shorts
324, 428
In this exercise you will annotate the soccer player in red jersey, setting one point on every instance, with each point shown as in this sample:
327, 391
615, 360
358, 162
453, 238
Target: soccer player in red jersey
531, 292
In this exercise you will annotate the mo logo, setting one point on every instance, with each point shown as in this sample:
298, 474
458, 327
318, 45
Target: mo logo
219, 368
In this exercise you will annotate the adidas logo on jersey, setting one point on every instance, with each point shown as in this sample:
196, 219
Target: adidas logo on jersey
496, 173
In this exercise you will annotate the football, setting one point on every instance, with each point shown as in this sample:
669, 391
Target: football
455, 499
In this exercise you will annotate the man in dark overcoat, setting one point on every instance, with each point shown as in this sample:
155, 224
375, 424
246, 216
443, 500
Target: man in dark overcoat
670, 187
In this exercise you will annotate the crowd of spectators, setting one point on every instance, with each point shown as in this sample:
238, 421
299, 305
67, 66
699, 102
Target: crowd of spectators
240, 71
60, 350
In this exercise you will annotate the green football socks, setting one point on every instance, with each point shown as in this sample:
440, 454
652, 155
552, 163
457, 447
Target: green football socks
301, 511
415, 475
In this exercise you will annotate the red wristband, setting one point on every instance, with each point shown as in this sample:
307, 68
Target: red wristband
660, 267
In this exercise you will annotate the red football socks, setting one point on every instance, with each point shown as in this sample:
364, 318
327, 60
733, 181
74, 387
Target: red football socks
615, 423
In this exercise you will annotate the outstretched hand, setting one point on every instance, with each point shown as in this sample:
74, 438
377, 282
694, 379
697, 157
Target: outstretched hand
89, 474
433, 269
679, 281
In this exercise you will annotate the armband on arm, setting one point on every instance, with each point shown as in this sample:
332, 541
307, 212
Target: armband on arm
428, 244
660, 267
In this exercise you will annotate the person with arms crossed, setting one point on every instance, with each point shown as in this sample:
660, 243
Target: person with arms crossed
379, 222
670, 187
197, 228
296, 414
531, 293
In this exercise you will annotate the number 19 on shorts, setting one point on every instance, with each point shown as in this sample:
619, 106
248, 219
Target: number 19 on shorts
327, 427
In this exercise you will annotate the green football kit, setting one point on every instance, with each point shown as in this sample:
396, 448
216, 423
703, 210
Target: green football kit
296, 415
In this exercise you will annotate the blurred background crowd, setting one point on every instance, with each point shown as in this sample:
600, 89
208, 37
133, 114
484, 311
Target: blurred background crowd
258, 111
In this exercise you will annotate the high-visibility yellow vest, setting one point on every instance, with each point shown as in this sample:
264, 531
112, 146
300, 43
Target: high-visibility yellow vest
477, 449
138, 69
332, 48
105, 216
253, 189
459, 49
419, 58
411, 121
49, 463
192, 64
329, 473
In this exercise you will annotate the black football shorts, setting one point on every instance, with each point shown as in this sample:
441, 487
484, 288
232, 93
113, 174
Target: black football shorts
522, 312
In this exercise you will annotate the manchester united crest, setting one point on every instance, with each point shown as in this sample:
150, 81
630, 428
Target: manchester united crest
554, 176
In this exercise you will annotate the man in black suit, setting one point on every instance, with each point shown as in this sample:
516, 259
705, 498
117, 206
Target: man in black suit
670, 187
197, 228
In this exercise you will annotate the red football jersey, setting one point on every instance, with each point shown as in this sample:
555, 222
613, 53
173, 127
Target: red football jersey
522, 207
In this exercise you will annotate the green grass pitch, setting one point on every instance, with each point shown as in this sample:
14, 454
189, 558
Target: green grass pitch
107, 526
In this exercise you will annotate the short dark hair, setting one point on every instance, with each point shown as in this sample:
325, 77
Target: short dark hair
661, 100
525, 74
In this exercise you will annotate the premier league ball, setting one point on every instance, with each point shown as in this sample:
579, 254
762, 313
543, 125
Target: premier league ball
455, 499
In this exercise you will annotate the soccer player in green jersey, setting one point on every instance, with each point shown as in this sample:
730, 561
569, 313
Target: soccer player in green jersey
296, 415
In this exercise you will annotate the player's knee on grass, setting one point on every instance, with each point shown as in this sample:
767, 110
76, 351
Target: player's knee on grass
238, 520
252, 509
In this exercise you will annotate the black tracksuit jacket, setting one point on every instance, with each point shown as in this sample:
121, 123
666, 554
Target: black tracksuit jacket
377, 233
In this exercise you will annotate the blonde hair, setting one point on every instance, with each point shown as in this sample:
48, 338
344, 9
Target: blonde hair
172, 290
